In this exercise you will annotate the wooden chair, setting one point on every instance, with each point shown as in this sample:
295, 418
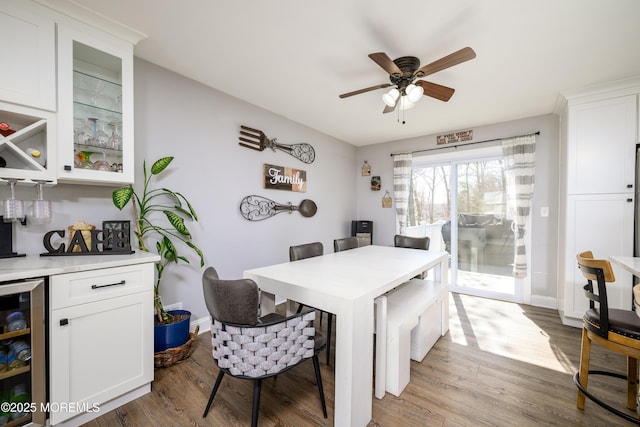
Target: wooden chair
248, 347
304, 251
613, 329
345, 243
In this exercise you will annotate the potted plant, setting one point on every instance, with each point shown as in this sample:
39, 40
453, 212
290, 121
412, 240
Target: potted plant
160, 215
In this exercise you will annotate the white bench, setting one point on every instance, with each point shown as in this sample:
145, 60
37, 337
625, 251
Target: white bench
417, 314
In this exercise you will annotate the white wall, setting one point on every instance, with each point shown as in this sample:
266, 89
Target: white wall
544, 230
200, 126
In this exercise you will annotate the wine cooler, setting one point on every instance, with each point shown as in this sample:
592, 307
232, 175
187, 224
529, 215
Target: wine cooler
22, 353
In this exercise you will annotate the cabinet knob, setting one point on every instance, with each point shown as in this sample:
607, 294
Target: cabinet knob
629, 200
629, 185
64, 322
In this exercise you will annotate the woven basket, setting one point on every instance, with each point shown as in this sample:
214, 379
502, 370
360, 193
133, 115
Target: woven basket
171, 356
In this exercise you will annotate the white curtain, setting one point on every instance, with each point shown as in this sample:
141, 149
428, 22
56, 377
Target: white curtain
520, 159
401, 185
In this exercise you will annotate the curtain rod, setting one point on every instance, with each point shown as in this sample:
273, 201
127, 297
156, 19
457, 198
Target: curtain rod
468, 143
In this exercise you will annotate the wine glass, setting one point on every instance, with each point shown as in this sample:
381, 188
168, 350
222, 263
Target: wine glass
13, 208
41, 208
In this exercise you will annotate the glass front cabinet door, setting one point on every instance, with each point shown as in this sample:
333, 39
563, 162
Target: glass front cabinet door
95, 111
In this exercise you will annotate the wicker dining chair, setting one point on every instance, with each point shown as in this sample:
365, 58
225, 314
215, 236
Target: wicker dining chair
309, 250
401, 241
246, 346
345, 243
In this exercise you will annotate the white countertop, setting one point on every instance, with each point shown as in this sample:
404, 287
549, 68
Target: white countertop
38, 266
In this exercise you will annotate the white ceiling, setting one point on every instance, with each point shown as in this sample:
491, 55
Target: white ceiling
294, 57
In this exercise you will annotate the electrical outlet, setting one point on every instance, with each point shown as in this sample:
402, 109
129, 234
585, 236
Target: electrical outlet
544, 211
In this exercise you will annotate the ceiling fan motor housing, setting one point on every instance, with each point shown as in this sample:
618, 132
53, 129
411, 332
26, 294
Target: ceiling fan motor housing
408, 65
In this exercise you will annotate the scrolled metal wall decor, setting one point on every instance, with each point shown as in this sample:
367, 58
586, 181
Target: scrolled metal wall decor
257, 140
257, 208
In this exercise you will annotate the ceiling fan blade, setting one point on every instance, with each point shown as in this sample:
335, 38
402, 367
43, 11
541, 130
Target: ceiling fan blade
455, 58
367, 89
388, 109
386, 63
443, 93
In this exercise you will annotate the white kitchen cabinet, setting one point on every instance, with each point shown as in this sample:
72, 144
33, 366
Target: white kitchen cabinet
26, 153
95, 108
601, 146
596, 208
603, 224
27, 75
101, 336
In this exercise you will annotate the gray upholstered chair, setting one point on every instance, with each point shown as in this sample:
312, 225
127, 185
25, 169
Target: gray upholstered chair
345, 243
309, 250
248, 347
400, 241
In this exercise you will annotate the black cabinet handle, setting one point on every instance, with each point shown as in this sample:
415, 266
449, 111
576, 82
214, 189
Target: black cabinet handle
629, 200
629, 185
122, 282
64, 322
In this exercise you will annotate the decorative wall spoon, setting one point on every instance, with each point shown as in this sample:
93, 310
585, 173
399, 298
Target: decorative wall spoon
257, 208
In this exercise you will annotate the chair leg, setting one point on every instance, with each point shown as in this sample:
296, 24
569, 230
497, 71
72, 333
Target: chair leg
300, 307
255, 410
585, 357
632, 382
213, 392
329, 329
316, 368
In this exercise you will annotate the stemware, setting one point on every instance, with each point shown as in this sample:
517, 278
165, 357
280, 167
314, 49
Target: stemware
41, 208
13, 210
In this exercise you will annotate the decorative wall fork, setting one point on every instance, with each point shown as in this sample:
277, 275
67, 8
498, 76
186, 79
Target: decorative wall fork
259, 141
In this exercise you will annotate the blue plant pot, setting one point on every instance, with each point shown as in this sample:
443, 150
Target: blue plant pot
173, 334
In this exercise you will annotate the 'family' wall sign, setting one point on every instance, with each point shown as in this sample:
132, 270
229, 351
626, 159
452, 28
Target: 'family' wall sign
283, 178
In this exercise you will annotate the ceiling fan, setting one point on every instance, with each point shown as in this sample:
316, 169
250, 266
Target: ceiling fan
404, 73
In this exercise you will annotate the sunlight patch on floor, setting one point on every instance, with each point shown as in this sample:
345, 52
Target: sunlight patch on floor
504, 330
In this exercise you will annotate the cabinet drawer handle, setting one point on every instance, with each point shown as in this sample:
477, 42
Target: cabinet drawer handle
64, 322
122, 282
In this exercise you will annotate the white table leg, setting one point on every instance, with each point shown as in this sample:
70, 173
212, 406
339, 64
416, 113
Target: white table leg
354, 364
381, 346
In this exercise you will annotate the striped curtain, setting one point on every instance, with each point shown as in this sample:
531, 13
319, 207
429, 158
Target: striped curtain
520, 159
401, 186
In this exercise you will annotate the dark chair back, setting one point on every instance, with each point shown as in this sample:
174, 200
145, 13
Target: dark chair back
306, 250
600, 271
345, 243
231, 301
400, 241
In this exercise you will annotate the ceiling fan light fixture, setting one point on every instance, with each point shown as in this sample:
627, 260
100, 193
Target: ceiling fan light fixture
390, 97
405, 103
414, 92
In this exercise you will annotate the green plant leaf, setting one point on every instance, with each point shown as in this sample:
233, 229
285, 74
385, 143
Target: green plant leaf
121, 196
177, 222
198, 251
160, 165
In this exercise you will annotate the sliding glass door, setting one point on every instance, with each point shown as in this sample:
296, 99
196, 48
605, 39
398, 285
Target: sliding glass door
471, 189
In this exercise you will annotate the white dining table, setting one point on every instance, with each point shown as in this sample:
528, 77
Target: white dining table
346, 283
629, 263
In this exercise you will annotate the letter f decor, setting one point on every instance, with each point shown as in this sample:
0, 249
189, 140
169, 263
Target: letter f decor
259, 141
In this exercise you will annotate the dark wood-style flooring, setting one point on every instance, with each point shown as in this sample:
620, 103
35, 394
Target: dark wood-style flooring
501, 364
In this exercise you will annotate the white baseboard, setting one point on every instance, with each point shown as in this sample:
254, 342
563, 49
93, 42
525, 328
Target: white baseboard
544, 302
203, 322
